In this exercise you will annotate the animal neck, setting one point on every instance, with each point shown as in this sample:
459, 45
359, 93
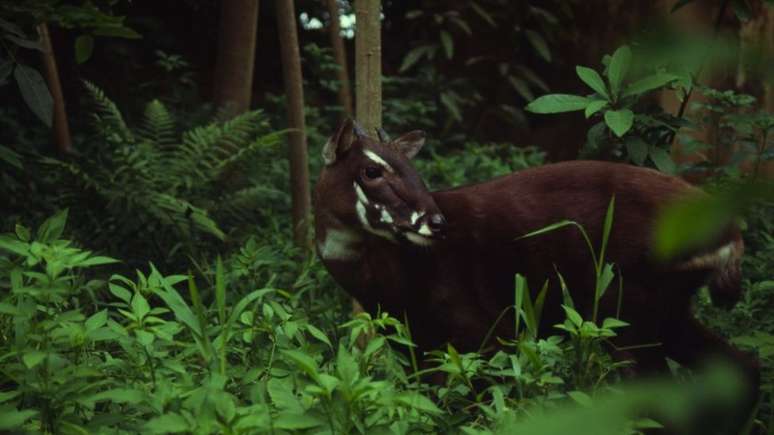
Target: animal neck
337, 241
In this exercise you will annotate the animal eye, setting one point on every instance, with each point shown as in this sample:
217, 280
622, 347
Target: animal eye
373, 172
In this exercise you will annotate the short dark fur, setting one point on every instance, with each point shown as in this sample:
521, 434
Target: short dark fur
454, 290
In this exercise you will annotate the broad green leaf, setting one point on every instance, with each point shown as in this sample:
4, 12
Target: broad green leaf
96, 260
611, 323
558, 103
636, 149
53, 227
97, 320
539, 44
167, 423
84, 47
120, 292
12, 419
120, 395
619, 121
33, 358
140, 306
649, 83
663, 160
618, 68
448, 44
12, 244
580, 398
605, 279
296, 421
418, 402
8, 395
594, 107
35, 93
303, 361
573, 315
316, 333
593, 80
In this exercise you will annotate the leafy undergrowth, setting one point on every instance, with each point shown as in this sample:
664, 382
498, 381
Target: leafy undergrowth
243, 348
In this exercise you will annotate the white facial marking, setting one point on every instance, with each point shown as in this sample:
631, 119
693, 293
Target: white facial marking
339, 245
418, 240
386, 217
415, 216
378, 160
715, 260
361, 196
425, 230
361, 214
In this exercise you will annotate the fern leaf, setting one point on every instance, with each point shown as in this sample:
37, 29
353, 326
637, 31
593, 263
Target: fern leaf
158, 126
108, 111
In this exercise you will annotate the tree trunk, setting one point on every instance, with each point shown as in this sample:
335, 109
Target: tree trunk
64, 143
236, 55
368, 64
368, 76
299, 168
340, 54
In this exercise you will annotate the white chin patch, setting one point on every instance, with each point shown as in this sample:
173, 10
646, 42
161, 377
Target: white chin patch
418, 239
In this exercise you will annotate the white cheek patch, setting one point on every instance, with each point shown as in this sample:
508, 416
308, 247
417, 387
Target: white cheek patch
386, 217
339, 245
361, 196
415, 217
425, 230
713, 260
378, 160
418, 240
363, 217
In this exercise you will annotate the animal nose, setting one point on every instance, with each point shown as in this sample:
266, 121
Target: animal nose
436, 222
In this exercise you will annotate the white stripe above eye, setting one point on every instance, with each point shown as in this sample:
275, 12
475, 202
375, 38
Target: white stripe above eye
378, 160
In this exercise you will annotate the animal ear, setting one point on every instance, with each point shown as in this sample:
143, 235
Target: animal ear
340, 142
410, 143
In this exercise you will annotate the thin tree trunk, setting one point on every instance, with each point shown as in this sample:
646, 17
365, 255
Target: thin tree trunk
368, 64
64, 143
340, 55
368, 76
236, 55
299, 168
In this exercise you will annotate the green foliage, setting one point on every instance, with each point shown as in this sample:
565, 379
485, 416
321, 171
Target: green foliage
176, 187
615, 101
223, 353
533, 29
476, 163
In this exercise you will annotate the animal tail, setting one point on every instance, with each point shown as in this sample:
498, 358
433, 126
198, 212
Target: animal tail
724, 264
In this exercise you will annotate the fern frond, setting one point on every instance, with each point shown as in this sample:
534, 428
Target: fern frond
107, 110
204, 149
158, 126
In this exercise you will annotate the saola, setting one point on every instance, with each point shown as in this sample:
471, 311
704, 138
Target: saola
447, 259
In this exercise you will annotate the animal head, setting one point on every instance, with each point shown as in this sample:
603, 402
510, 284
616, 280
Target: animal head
369, 183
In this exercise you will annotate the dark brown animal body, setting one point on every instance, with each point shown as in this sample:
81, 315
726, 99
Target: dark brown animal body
447, 259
